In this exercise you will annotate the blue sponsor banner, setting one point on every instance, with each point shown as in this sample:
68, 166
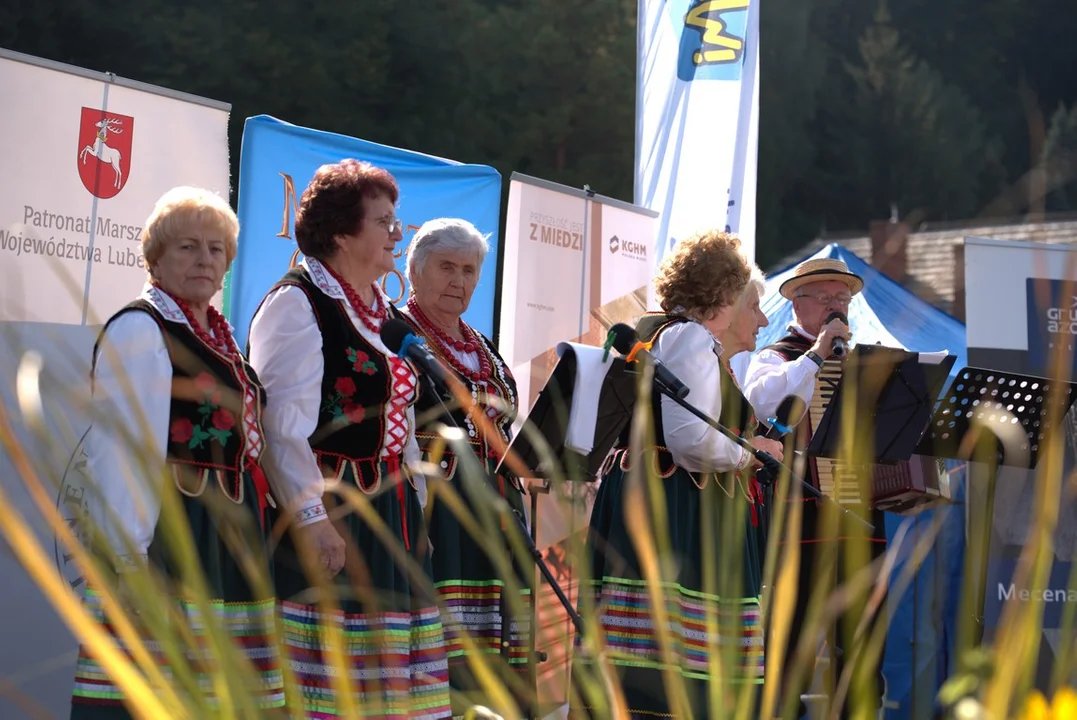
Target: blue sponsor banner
278, 159
1054, 598
1052, 322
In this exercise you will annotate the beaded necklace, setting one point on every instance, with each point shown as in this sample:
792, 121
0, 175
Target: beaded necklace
370, 317
446, 344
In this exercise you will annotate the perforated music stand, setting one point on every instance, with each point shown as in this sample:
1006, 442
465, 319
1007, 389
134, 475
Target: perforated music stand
1011, 406
1014, 410
894, 393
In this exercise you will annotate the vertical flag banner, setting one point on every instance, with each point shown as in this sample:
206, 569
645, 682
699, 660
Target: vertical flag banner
697, 116
575, 264
279, 159
89, 157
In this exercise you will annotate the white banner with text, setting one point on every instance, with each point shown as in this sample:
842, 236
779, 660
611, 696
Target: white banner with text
575, 264
87, 157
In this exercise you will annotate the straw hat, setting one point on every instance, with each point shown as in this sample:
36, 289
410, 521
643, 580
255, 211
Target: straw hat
819, 270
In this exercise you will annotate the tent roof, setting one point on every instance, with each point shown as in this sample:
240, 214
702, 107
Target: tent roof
884, 312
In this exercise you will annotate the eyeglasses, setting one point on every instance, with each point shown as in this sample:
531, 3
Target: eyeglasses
392, 224
841, 299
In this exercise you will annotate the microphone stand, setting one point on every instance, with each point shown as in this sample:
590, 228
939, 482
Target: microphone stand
771, 466
534, 656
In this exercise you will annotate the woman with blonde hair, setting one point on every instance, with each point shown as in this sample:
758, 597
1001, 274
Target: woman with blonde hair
708, 578
174, 400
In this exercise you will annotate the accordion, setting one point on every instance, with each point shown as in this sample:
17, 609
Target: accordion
903, 488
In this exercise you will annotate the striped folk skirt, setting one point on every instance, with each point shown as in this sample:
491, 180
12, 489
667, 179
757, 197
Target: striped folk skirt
476, 600
188, 659
387, 621
249, 625
712, 629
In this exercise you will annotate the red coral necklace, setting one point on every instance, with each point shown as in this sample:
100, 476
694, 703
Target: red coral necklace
370, 317
470, 344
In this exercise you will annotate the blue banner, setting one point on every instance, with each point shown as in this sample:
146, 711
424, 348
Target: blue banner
1052, 322
278, 159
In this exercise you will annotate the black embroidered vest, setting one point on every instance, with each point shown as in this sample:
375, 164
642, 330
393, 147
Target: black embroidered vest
206, 435
791, 347
737, 413
357, 385
429, 411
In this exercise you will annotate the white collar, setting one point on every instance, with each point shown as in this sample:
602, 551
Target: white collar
329, 285
801, 331
164, 304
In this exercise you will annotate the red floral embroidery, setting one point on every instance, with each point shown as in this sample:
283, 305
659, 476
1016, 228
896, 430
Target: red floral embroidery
353, 412
223, 419
215, 422
361, 362
341, 403
345, 386
181, 430
205, 383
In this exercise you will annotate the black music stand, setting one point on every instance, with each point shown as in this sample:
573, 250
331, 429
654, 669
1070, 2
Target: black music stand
1014, 409
895, 393
549, 416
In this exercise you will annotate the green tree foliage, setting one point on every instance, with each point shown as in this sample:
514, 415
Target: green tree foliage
920, 106
1059, 160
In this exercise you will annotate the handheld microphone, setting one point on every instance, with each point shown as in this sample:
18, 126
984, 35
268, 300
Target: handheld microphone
839, 348
783, 423
399, 337
625, 341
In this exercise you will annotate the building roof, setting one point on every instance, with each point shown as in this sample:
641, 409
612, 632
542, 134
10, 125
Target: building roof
930, 249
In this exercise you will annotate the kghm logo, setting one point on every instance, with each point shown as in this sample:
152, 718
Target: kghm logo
712, 39
628, 248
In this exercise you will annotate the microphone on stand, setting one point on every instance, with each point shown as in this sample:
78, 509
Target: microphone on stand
840, 347
398, 336
783, 423
626, 342
626, 338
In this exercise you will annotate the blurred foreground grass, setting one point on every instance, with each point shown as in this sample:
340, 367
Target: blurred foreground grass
992, 680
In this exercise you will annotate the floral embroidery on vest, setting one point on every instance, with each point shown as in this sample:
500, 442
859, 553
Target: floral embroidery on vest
341, 402
216, 422
361, 362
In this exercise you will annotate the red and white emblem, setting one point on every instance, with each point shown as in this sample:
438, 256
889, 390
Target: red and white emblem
104, 160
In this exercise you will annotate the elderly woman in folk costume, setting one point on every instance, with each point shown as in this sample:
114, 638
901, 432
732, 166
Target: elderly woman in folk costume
341, 411
444, 263
714, 570
174, 398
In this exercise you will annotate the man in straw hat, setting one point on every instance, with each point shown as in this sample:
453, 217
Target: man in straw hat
818, 288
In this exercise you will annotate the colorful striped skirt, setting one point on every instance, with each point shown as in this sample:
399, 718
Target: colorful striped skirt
181, 644
711, 639
386, 618
251, 628
475, 598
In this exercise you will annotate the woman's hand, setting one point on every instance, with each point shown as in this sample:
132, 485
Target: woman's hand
771, 447
321, 542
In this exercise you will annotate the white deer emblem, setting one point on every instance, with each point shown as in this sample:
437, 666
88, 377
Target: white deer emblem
101, 151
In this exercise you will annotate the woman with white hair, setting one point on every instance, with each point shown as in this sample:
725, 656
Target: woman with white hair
444, 263
177, 422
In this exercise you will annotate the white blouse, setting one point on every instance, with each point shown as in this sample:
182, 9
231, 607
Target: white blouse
286, 352
126, 445
770, 378
691, 353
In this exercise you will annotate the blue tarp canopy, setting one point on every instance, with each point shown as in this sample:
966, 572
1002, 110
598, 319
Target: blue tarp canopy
923, 619
884, 312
